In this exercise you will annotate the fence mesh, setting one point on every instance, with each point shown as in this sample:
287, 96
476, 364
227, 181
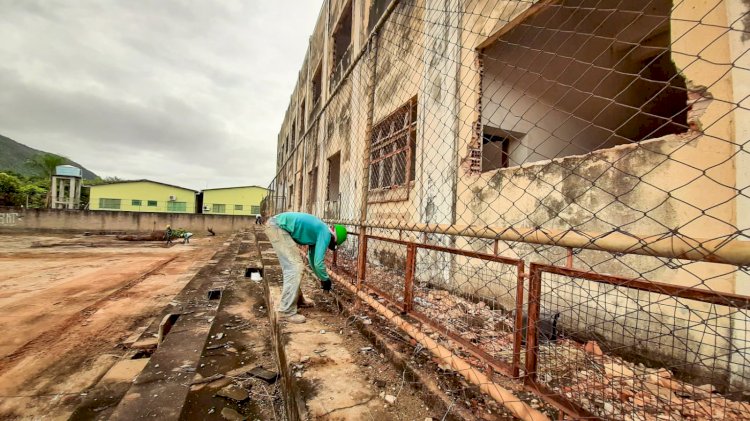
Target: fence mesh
605, 138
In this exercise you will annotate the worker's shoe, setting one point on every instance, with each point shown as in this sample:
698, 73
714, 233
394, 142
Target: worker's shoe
295, 318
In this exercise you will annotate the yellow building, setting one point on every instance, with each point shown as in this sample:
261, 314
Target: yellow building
243, 200
142, 196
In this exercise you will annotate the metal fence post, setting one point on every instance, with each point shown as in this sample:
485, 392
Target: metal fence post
411, 263
532, 337
518, 323
362, 255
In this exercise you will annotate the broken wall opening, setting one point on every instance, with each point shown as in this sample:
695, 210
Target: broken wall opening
573, 79
333, 195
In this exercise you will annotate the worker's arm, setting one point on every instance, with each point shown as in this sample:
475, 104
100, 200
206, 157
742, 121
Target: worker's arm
316, 256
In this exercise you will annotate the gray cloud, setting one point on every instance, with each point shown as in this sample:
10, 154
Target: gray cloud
190, 93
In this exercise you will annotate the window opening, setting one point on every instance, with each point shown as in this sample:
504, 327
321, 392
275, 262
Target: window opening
392, 148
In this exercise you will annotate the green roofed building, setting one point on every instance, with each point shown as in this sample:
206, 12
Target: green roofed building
142, 196
243, 200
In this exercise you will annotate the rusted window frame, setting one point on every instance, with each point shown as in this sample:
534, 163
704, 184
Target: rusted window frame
407, 130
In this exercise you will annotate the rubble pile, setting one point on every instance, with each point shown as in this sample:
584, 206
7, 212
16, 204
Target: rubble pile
605, 385
611, 387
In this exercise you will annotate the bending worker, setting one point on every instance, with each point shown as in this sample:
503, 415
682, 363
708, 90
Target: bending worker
286, 231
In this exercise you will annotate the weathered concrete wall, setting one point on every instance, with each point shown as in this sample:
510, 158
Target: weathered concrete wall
62, 220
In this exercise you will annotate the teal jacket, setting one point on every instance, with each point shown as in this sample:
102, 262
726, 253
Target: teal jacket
309, 231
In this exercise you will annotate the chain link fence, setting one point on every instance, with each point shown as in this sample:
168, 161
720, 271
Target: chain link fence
554, 191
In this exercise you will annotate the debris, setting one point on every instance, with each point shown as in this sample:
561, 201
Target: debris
146, 343
232, 415
234, 393
365, 349
592, 347
200, 379
304, 359
298, 374
217, 346
390, 399
614, 369
219, 335
262, 373
322, 331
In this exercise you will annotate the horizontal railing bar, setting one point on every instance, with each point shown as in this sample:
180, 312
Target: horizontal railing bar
698, 294
726, 249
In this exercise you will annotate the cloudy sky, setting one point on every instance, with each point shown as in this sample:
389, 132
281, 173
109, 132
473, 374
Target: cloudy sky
185, 92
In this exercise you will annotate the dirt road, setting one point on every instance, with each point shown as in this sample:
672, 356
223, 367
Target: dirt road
64, 310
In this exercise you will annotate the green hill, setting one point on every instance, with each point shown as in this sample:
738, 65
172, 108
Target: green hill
14, 155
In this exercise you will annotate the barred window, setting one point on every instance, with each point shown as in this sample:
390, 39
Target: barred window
393, 144
176, 207
109, 203
219, 208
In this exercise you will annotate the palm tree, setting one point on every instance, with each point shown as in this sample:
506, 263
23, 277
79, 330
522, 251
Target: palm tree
45, 165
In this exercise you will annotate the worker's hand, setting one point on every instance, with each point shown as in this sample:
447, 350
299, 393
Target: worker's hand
326, 285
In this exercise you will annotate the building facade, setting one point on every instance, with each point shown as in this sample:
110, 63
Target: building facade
511, 127
244, 200
142, 196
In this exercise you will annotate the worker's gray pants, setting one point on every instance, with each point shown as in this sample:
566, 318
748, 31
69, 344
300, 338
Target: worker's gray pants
291, 265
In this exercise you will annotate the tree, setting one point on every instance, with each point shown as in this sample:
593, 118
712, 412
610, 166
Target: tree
10, 190
45, 164
34, 195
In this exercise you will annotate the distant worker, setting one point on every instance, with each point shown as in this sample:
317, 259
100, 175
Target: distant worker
258, 220
168, 235
186, 237
285, 231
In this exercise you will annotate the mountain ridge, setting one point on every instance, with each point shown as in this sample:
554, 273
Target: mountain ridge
14, 156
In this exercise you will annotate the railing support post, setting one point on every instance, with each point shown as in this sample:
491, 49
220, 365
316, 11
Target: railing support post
532, 337
518, 323
411, 263
361, 258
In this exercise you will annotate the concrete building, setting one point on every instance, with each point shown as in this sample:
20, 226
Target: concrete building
546, 117
243, 200
142, 196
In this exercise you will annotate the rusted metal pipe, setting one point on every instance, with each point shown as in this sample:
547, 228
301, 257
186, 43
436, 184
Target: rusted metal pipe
724, 249
505, 397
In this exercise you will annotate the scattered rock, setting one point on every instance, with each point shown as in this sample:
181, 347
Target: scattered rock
614, 369
232, 415
304, 359
219, 335
322, 331
593, 348
262, 373
200, 379
234, 393
390, 399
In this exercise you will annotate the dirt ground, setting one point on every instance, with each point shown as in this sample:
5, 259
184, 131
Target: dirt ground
67, 302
